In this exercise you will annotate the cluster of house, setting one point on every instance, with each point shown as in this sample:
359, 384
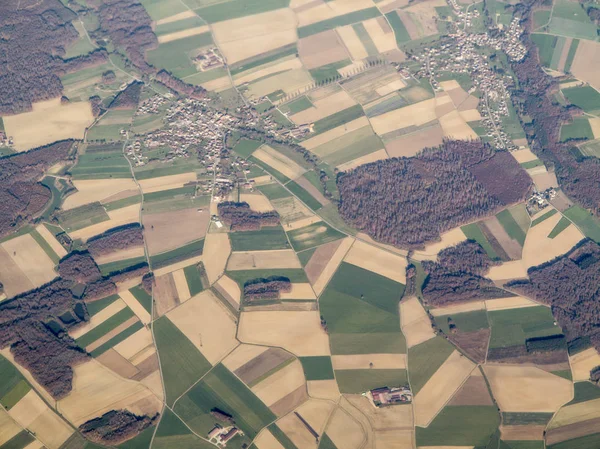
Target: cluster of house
5, 141
151, 105
385, 396
463, 56
221, 435
539, 200
209, 59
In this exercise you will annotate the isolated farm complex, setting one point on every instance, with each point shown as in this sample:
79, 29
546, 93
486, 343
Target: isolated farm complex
299, 224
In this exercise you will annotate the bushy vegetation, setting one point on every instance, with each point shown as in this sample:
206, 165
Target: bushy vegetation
409, 201
269, 288
240, 217
115, 426
116, 239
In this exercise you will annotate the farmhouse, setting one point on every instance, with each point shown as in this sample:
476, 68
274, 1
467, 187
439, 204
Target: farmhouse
385, 396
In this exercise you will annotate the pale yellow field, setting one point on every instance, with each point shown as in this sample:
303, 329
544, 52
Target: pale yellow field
181, 285
449, 238
302, 222
323, 11
352, 42
470, 115
32, 413
176, 17
263, 180
48, 122
371, 157
230, 287
459, 308
257, 202
382, 418
111, 334
522, 433
455, 127
178, 265
289, 81
245, 37
416, 325
97, 390
347, 70
513, 302
335, 133
29, 256
323, 389
449, 85
297, 432
316, 412
324, 107
363, 361
332, 265
257, 260
287, 63
298, 332
390, 87
583, 362
135, 344
440, 387
377, 260
586, 64
519, 388
576, 413
124, 254
118, 217
279, 162
216, 252
36, 444
595, 124
51, 240
383, 39
207, 324
544, 181
217, 85
299, 291
280, 384
135, 306
166, 182
182, 34
345, 431
524, 155
8, 428
242, 355
414, 115
539, 249
266, 440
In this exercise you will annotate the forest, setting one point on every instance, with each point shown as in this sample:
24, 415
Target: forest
240, 217
21, 195
181, 87
115, 427
129, 97
458, 276
266, 289
569, 284
409, 201
116, 239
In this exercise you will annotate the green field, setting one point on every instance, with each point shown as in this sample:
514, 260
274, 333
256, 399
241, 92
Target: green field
82, 217
349, 147
268, 238
460, 426
585, 391
179, 25
586, 97
45, 246
326, 442
142, 297
329, 72
100, 165
313, 235
13, 386
546, 44
172, 433
233, 9
245, 147
279, 53
514, 326
365, 39
579, 129
400, 30
96, 306
358, 303
115, 267
141, 441
464, 322
303, 195
591, 149
108, 325
425, 359
473, 232
360, 380
182, 364
122, 336
338, 119
525, 418
274, 191
570, 19
223, 390
586, 442
184, 252
339, 21
521, 444
511, 226
243, 276
270, 170
585, 221
317, 368
571, 55
531, 164
175, 56
160, 9
281, 437
295, 106
560, 227
19, 441
547, 215
193, 279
